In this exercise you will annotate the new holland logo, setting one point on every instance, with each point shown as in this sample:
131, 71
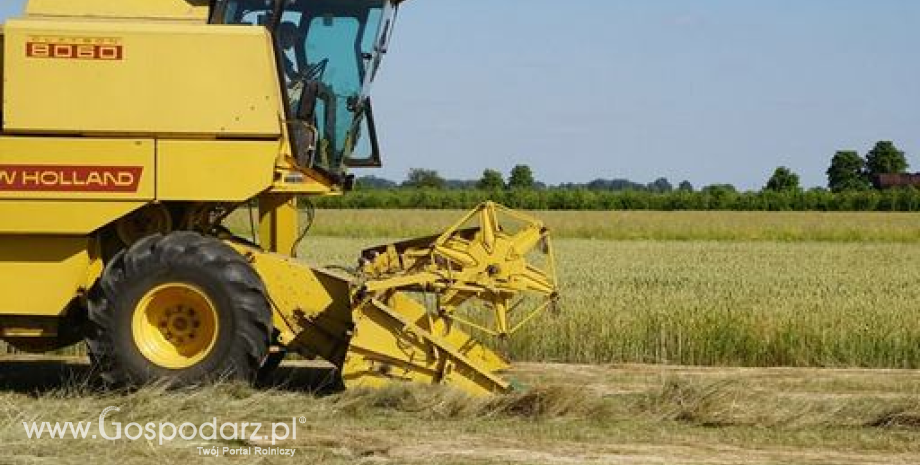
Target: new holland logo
48, 178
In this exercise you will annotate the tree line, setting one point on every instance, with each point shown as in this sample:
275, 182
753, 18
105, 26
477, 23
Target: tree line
709, 198
850, 188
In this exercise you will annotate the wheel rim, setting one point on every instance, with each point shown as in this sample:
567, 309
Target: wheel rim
175, 325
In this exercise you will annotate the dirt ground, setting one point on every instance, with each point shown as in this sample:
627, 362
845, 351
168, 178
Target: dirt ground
567, 414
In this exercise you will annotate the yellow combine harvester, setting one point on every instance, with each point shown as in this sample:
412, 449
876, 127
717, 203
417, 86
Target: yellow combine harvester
133, 128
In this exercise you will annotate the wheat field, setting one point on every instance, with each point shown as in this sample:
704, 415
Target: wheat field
698, 288
639, 225
703, 288
720, 303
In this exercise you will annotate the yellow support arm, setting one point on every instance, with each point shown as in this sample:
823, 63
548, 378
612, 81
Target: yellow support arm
278, 223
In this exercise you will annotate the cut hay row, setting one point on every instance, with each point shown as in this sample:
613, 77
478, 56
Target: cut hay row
571, 414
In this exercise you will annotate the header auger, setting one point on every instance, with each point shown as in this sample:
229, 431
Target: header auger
132, 129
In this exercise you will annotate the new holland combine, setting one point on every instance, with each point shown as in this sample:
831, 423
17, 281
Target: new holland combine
133, 129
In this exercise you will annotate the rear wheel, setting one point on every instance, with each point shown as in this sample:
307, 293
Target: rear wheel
182, 308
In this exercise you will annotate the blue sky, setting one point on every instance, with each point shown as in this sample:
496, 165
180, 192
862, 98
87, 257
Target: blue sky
705, 90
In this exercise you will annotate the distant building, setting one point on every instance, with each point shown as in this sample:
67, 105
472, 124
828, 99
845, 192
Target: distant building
890, 181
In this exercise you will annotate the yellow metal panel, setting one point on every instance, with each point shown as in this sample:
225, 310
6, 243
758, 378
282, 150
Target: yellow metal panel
308, 305
395, 341
121, 77
76, 168
2, 40
39, 276
225, 171
61, 216
196, 10
72, 185
278, 223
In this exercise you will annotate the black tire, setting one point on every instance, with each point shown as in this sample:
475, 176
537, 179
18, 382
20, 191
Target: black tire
223, 275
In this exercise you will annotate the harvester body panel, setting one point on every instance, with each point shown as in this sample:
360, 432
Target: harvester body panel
166, 79
40, 277
72, 186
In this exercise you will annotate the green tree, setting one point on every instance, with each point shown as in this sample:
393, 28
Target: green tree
783, 180
719, 189
373, 182
521, 178
420, 178
847, 172
685, 186
491, 181
661, 185
720, 196
885, 158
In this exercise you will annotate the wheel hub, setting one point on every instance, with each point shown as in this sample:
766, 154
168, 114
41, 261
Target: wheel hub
175, 325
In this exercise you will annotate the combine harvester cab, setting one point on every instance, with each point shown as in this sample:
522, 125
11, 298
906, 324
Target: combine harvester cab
132, 129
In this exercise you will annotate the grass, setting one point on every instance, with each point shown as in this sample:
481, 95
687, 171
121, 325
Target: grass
571, 414
639, 225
